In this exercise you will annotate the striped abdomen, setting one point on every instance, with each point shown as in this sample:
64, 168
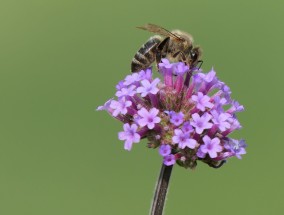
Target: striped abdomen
145, 56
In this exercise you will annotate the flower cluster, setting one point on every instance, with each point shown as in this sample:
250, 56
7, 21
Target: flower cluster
188, 115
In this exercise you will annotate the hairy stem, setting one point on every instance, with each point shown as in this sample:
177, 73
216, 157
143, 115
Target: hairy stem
161, 190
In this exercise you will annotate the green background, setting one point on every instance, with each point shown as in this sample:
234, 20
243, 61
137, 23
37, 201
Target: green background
60, 59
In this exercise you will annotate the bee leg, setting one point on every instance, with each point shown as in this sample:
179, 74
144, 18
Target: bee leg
183, 58
218, 165
160, 48
176, 54
201, 62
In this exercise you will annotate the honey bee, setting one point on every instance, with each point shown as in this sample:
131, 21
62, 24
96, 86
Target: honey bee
174, 45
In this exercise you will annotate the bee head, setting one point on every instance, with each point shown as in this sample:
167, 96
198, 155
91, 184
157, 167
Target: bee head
195, 55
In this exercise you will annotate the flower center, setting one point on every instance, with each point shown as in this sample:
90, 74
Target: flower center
182, 138
209, 146
131, 133
199, 124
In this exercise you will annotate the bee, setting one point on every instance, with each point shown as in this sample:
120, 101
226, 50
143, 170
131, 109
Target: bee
174, 45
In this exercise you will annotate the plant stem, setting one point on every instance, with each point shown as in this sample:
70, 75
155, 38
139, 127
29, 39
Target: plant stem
161, 190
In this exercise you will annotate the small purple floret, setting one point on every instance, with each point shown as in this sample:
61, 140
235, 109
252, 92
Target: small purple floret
221, 120
201, 123
200, 154
131, 79
165, 65
169, 160
180, 68
202, 101
237, 147
176, 118
106, 105
148, 88
126, 91
145, 74
211, 146
187, 128
183, 139
148, 118
120, 107
129, 135
165, 150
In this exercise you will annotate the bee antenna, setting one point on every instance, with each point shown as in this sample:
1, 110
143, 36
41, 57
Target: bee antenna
141, 27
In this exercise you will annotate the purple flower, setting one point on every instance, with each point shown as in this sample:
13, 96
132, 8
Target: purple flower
183, 139
187, 128
198, 78
148, 118
148, 87
202, 101
210, 76
106, 106
145, 74
236, 107
120, 85
165, 150
130, 79
210, 79
180, 68
120, 107
165, 65
221, 120
166, 69
200, 154
219, 103
169, 160
237, 147
176, 118
211, 146
126, 91
226, 91
201, 123
129, 135
235, 124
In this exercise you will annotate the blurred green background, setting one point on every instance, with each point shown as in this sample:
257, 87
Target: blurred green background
60, 59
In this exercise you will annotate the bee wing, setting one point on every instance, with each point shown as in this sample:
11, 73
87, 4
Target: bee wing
159, 30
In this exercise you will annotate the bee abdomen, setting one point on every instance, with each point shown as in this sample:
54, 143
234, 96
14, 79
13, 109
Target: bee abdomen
145, 56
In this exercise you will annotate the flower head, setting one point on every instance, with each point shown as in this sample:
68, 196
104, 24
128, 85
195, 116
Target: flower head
187, 114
